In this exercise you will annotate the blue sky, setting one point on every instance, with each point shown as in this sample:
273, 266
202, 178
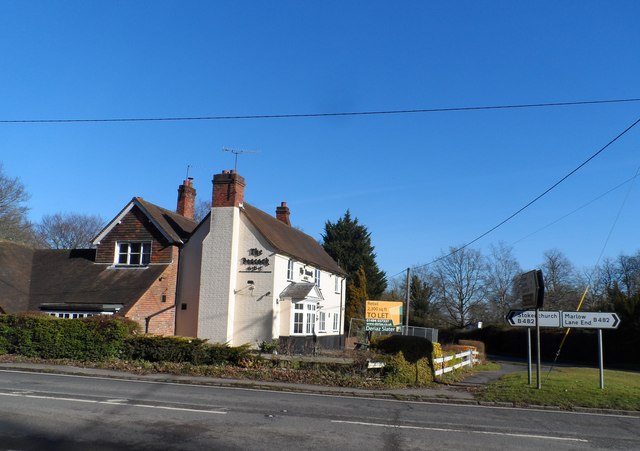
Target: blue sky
420, 182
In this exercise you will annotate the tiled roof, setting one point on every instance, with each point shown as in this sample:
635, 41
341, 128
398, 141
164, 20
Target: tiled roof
15, 277
72, 277
291, 241
29, 278
175, 225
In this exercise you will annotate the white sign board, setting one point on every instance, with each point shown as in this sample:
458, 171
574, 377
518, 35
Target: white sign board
590, 320
527, 318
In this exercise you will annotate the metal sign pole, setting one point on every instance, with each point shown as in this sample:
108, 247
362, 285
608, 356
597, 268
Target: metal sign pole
529, 353
601, 359
538, 349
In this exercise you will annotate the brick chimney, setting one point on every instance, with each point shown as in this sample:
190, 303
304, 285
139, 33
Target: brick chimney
282, 213
228, 189
186, 199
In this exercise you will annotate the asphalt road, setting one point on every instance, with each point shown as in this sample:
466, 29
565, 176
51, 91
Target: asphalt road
64, 412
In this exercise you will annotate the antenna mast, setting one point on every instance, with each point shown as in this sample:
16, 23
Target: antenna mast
237, 152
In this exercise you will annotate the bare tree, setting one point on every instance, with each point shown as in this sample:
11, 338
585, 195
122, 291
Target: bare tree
203, 207
68, 230
561, 292
458, 279
502, 268
14, 225
628, 273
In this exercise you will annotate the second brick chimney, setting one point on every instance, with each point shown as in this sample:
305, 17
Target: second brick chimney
282, 213
228, 189
186, 199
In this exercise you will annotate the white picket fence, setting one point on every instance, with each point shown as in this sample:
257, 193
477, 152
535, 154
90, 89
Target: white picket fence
469, 358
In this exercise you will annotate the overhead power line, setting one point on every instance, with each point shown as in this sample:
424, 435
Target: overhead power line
537, 198
314, 115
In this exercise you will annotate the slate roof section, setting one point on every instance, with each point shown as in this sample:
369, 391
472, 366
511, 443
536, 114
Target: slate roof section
15, 277
71, 277
291, 241
300, 291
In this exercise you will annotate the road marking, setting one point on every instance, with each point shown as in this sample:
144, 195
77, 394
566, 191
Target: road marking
463, 431
112, 403
325, 395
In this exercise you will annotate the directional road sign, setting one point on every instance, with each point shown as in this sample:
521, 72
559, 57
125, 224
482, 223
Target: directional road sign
527, 318
590, 320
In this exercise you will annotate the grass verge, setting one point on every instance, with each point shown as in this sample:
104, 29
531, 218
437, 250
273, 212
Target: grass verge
569, 387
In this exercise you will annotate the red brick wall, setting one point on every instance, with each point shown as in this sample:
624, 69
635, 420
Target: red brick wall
228, 189
135, 226
151, 302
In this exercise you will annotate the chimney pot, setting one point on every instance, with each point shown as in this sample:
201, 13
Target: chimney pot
186, 199
228, 190
283, 213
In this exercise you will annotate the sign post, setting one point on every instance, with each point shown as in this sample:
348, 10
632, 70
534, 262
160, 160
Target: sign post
529, 287
578, 320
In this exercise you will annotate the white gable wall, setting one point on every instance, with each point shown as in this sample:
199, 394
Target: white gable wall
189, 282
219, 270
256, 313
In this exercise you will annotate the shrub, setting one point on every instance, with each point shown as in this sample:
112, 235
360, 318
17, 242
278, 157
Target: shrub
412, 348
43, 336
197, 351
400, 372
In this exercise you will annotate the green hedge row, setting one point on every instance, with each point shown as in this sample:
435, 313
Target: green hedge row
103, 337
93, 338
182, 349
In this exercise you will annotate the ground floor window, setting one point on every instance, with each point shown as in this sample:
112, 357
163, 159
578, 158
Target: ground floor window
336, 318
304, 317
322, 322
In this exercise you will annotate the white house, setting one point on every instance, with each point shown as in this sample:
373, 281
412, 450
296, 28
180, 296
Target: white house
246, 277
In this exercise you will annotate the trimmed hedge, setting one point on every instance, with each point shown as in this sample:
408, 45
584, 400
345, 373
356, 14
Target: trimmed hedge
182, 349
412, 348
94, 338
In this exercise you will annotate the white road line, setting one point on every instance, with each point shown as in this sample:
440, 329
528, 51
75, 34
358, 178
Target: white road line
463, 431
110, 402
327, 395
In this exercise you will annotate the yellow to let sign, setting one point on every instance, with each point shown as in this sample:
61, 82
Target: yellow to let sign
388, 312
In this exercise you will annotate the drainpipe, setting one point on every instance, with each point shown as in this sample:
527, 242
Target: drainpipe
147, 319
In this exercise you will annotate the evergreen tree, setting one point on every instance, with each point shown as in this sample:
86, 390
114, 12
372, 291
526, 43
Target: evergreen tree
357, 294
349, 243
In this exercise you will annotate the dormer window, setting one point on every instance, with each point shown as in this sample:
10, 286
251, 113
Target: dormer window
133, 253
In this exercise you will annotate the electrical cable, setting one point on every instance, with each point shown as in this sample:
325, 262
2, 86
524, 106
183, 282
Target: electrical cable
606, 242
316, 115
537, 198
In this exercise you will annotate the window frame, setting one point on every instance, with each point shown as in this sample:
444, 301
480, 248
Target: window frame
322, 321
336, 322
144, 254
304, 318
290, 270
316, 277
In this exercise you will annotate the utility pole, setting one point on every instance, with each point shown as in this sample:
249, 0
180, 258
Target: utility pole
407, 298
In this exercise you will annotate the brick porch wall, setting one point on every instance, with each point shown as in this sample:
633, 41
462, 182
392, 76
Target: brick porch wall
151, 302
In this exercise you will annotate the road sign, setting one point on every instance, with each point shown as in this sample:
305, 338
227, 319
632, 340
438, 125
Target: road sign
527, 318
529, 287
590, 320
383, 316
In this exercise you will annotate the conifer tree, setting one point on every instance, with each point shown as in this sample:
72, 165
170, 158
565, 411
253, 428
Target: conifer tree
349, 243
